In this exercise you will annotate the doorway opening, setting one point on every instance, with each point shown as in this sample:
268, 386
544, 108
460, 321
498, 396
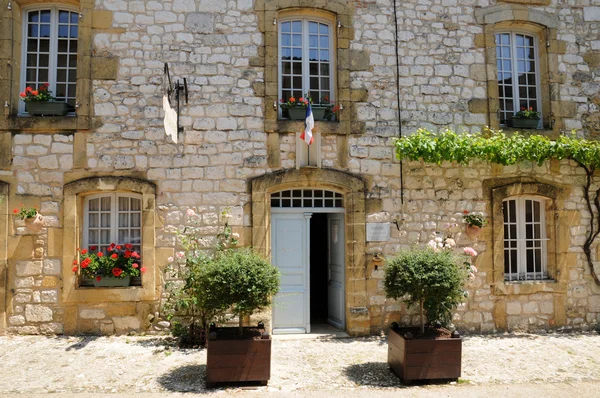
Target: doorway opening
319, 249
308, 247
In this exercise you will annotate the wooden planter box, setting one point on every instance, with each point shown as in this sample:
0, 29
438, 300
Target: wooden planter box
525, 123
49, 108
238, 360
424, 359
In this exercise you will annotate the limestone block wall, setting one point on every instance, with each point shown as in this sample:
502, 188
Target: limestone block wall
221, 48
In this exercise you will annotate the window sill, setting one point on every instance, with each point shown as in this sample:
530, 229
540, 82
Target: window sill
294, 126
44, 124
506, 288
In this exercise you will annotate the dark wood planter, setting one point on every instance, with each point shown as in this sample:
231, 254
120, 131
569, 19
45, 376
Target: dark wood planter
424, 359
238, 360
108, 281
48, 108
525, 123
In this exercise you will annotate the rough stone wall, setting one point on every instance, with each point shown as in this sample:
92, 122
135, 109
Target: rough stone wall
213, 43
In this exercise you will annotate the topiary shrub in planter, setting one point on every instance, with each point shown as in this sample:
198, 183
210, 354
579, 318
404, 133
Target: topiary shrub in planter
432, 278
246, 282
228, 280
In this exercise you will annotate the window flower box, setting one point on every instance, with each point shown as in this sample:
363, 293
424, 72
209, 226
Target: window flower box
521, 123
107, 281
48, 108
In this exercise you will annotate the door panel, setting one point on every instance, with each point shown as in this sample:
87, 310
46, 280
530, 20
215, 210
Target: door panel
289, 246
336, 268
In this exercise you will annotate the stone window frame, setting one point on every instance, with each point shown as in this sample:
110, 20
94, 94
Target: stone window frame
73, 206
337, 11
557, 249
544, 26
10, 65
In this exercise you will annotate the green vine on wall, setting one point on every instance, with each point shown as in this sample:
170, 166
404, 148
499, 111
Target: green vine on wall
497, 147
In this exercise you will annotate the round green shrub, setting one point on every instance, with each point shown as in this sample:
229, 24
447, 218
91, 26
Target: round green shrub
434, 280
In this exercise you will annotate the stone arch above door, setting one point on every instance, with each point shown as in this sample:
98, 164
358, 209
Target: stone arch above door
353, 189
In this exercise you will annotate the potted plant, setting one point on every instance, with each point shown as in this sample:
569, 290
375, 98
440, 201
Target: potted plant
40, 102
245, 282
111, 269
475, 222
432, 278
526, 118
34, 221
228, 280
295, 109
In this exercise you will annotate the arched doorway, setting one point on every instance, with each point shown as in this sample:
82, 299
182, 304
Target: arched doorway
283, 205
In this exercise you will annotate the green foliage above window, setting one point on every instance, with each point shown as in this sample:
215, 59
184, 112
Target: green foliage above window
496, 147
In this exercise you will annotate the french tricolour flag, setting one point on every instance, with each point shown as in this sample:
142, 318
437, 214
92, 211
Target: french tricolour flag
309, 125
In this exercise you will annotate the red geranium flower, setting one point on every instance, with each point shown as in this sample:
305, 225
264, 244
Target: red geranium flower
75, 262
127, 254
15, 211
28, 89
93, 247
98, 278
117, 271
114, 256
135, 265
84, 251
465, 211
143, 269
47, 84
34, 92
75, 268
128, 246
100, 254
135, 255
119, 247
23, 95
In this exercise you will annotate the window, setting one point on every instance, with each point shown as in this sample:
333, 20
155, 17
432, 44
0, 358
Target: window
50, 52
525, 248
305, 60
518, 74
113, 218
307, 198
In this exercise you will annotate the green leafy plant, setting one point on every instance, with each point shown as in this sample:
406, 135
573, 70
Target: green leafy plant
242, 280
119, 261
25, 212
497, 147
525, 113
473, 219
431, 277
220, 280
42, 94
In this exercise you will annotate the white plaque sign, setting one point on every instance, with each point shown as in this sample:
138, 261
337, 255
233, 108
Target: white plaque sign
378, 232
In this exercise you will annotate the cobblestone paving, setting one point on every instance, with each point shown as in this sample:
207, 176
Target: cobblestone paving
35, 364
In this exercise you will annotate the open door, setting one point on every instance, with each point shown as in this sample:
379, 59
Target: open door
335, 267
290, 253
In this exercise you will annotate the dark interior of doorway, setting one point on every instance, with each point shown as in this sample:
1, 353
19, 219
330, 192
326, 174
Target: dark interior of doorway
318, 268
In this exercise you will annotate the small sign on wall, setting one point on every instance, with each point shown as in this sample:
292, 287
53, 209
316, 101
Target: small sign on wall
378, 232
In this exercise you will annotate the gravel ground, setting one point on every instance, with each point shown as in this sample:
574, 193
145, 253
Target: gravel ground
127, 364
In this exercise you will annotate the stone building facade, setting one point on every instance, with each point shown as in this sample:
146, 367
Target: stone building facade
393, 68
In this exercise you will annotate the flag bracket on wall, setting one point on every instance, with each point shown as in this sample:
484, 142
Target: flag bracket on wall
174, 94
